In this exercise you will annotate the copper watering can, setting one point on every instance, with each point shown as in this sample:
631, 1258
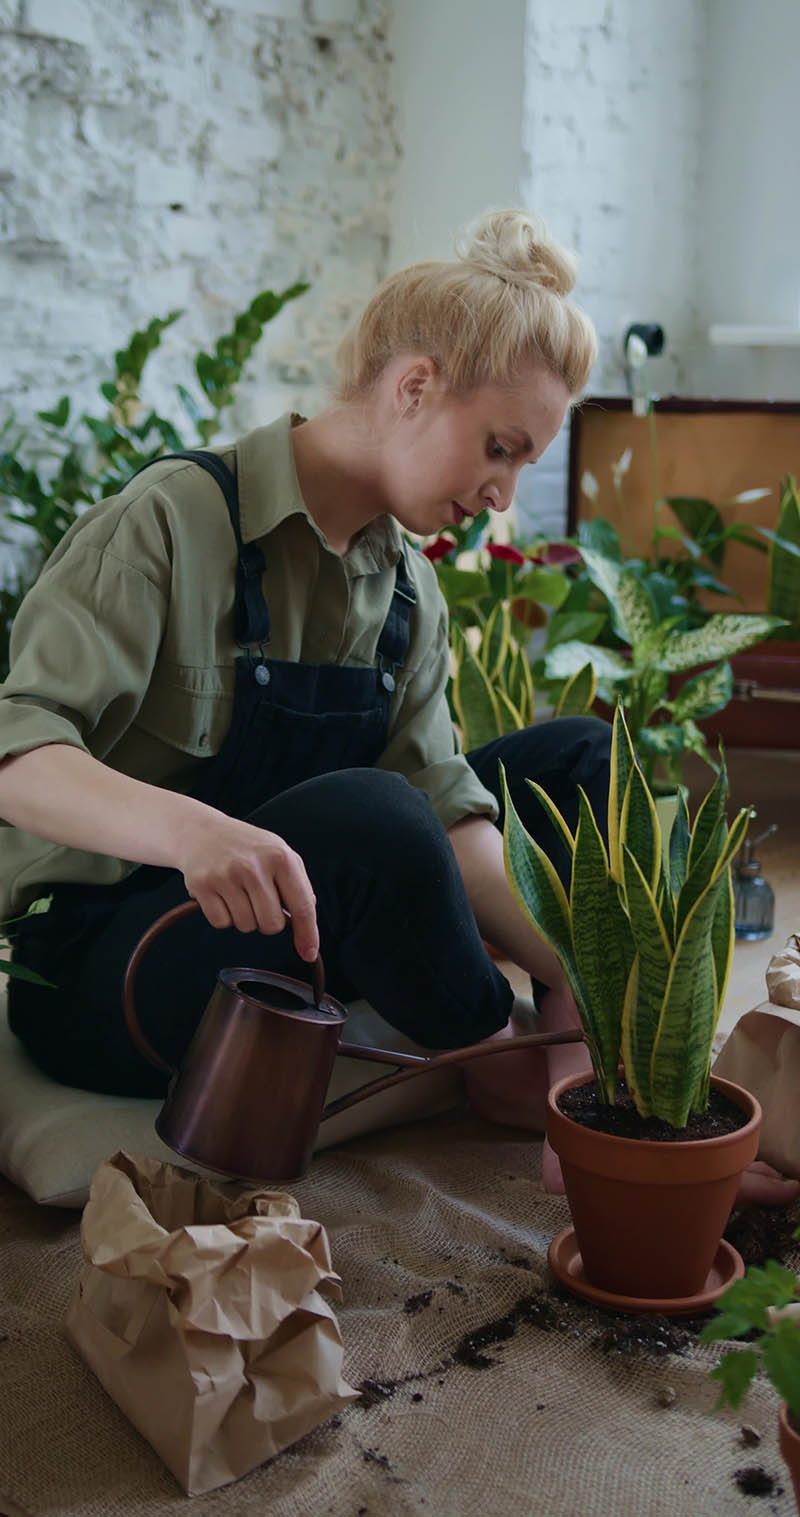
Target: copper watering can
249, 1096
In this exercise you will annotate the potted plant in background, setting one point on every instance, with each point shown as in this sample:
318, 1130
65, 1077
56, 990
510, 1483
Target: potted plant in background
653, 643
50, 473
765, 1303
651, 1162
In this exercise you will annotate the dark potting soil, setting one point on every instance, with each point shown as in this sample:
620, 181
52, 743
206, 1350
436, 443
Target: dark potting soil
622, 1120
761, 1233
754, 1481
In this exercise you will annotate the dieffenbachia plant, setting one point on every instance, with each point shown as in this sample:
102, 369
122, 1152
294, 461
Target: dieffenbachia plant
663, 722
645, 936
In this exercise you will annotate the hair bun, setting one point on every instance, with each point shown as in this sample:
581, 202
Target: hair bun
517, 247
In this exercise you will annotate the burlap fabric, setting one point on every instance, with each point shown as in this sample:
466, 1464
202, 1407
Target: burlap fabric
437, 1230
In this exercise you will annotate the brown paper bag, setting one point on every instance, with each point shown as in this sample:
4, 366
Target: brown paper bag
201, 1310
763, 1054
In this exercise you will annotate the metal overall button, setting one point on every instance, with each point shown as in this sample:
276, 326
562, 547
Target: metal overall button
261, 674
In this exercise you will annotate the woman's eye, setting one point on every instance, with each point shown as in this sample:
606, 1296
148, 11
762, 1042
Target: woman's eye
497, 450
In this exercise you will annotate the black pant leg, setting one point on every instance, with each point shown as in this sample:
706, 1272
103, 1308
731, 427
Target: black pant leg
561, 755
395, 924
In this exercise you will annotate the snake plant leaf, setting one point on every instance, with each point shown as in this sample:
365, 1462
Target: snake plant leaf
686, 1023
601, 938
475, 702
725, 633
537, 889
569, 658
736, 837
706, 693
653, 953
679, 844
700, 872
510, 716
640, 829
784, 566
579, 693
519, 684
722, 941
554, 816
495, 643
623, 760
709, 813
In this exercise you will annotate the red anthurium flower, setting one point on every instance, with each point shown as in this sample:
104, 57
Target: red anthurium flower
439, 549
506, 552
558, 553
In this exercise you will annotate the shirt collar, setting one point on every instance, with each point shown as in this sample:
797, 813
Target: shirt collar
269, 493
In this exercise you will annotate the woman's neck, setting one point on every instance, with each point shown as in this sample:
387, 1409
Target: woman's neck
337, 458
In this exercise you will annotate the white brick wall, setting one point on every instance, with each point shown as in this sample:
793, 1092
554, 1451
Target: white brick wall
612, 129
188, 154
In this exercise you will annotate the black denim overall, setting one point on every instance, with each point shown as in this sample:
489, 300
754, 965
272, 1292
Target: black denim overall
298, 759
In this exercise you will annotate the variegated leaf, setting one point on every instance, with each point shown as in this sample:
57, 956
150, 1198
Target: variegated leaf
623, 760
579, 693
709, 813
475, 702
686, 1023
601, 939
654, 952
569, 658
723, 634
554, 816
536, 887
510, 716
640, 829
495, 641
679, 844
634, 607
706, 693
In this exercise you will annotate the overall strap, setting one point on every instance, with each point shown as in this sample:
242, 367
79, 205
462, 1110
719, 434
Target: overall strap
251, 612
393, 641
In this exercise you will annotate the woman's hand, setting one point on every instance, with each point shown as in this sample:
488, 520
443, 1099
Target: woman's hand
240, 875
244, 877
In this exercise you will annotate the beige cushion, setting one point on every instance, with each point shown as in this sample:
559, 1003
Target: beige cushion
52, 1137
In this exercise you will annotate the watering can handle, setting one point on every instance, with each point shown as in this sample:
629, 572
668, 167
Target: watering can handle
177, 913
411, 1064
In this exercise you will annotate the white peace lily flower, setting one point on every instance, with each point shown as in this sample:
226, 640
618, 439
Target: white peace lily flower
622, 465
589, 485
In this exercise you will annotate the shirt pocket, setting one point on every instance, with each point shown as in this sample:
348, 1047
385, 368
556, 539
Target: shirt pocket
189, 709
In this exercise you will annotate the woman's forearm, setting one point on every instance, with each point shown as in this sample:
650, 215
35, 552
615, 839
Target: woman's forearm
62, 794
478, 847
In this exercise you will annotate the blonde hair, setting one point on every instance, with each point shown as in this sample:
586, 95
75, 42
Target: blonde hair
485, 319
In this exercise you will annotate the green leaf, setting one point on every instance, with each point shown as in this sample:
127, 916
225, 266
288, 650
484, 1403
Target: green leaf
704, 694
623, 760
711, 809
666, 738
554, 816
461, 587
634, 606
642, 1011
476, 704
19, 972
569, 658
59, 416
544, 586
703, 522
640, 829
679, 844
683, 1041
782, 1361
538, 891
735, 1372
601, 939
578, 694
743, 1306
724, 633
579, 626
600, 537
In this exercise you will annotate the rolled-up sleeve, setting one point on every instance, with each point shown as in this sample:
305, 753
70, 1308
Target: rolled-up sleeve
83, 645
423, 744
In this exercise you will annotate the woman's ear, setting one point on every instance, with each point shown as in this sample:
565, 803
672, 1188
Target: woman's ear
420, 377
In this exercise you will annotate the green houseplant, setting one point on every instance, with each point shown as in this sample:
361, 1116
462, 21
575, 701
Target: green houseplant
652, 646
50, 472
764, 1307
645, 938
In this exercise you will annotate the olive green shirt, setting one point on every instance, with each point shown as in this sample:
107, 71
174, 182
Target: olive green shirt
125, 647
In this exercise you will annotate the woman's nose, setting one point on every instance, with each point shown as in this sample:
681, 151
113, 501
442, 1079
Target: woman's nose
499, 494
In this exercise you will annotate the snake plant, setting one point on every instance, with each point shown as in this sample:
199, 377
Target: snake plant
645, 936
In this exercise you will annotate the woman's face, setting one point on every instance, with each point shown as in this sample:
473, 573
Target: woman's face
448, 457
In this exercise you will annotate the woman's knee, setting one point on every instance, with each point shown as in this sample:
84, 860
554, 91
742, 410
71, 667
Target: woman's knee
357, 814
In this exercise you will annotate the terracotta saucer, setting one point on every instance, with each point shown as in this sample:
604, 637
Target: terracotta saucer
565, 1261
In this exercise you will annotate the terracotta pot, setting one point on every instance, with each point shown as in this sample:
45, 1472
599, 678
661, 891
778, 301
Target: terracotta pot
649, 1216
789, 1442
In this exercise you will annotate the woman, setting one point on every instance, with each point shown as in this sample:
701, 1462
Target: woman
229, 683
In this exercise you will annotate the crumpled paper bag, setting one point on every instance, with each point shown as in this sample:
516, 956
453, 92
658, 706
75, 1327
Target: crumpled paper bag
762, 1053
201, 1309
783, 975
